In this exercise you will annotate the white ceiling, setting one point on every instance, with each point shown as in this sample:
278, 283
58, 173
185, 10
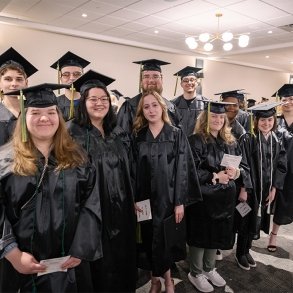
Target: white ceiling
133, 22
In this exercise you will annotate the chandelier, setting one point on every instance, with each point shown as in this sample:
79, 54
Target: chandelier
208, 39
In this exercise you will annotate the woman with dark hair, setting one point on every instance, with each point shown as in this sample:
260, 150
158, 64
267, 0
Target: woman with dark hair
266, 158
108, 146
14, 73
166, 176
48, 196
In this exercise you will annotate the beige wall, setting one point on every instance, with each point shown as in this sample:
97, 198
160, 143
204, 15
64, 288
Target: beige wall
44, 48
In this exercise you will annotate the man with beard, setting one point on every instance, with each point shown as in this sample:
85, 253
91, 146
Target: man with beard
151, 79
189, 104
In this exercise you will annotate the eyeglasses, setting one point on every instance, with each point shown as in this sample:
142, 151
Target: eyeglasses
94, 100
75, 74
154, 77
187, 80
285, 100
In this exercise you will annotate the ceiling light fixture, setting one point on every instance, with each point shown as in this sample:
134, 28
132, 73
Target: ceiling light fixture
84, 15
208, 39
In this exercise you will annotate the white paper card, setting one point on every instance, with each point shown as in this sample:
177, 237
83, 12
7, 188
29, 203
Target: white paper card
243, 208
231, 161
146, 213
54, 265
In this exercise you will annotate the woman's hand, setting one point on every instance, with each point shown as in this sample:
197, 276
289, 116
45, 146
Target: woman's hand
271, 195
179, 213
72, 262
242, 195
24, 262
231, 172
223, 177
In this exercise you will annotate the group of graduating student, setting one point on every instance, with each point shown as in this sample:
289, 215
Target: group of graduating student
69, 191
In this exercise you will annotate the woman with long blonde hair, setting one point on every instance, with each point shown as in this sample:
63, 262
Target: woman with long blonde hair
48, 195
210, 222
165, 178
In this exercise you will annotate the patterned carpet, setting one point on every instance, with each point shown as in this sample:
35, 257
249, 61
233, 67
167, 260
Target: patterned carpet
273, 274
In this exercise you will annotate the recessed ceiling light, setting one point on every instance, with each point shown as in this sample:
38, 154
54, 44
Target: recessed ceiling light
291, 62
267, 56
84, 15
156, 31
270, 32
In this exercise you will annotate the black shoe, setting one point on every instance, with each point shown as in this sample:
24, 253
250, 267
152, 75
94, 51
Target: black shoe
242, 262
250, 260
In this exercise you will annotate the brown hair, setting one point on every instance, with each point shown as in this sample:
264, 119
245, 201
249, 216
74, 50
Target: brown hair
256, 119
201, 128
140, 121
5, 68
67, 152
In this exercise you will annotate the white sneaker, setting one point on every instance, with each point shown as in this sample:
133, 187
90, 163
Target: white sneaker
201, 283
215, 278
219, 255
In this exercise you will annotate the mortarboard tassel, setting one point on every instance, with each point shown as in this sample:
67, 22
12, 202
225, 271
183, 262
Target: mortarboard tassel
23, 123
58, 76
71, 111
251, 124
208, 118
140, 78
176, 85
1, 96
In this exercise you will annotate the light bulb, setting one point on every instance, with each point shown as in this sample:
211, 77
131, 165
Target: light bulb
204, 37
227, 46
191, 43
243, 41
208, 47
227, 36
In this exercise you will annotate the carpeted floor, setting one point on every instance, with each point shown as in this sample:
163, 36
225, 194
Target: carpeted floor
273, 274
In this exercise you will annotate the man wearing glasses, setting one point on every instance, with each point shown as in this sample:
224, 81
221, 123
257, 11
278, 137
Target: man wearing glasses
189, 104
70, 68
150, 79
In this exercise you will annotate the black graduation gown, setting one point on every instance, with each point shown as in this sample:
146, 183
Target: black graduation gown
237, 129
188, 113
250, 145
127, 112
7, 124
283, 213
63, 218
210, 222
116, 271
244, 119
166, 175
64, 105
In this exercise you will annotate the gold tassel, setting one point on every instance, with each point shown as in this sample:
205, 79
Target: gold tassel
176, 85
71, 111
1, 96
22, 117
58, 76
140, 78
208, 118
251, 124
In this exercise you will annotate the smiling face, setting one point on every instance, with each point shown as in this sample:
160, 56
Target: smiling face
152, 80
288, 106
152, 109
231, 110
12, 80
189, 83
216, 121
265, 125
97, 104
70, 74
42, 123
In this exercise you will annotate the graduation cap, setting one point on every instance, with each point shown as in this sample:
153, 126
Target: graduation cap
265, 110
12, 57
70, 59
91, 79
188, 71
39, 96
285, 91
216, 107
238, 94
151, 64
117, 94
251, 100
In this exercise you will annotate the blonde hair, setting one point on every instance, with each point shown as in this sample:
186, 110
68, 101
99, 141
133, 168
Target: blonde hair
140, 121
224, 133
67, 152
